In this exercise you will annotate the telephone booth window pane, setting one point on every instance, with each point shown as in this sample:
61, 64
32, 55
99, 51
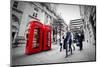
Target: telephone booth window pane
48, 39
36, 38
27, 35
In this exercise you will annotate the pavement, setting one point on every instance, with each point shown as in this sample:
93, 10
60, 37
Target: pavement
54, 55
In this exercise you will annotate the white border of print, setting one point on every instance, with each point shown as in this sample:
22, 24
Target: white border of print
5, 33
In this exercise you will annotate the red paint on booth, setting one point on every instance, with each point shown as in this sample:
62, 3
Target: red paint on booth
47, 37
34, 41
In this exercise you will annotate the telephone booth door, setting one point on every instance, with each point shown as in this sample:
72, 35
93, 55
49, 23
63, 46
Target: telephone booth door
47, 38
34, 41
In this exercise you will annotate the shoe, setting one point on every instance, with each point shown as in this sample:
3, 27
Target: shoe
81, 49
71, 53
66, 56
60, 50
68, 50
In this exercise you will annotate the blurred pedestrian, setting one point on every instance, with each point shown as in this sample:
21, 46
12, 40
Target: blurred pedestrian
80, 40
72, 37
61, 43
68, 42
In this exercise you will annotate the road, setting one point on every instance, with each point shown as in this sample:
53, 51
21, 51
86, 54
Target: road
54, 55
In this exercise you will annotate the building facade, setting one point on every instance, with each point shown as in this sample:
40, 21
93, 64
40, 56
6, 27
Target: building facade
88, 13
23, 12
76, 24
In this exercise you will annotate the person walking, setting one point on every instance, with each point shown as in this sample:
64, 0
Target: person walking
65, 46
61, 43
68, 42
80, 40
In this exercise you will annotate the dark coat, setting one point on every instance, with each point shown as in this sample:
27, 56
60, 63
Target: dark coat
64, 45
68, 38
80, 39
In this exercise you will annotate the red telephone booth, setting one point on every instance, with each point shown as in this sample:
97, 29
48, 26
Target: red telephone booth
34, 41
47, 38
